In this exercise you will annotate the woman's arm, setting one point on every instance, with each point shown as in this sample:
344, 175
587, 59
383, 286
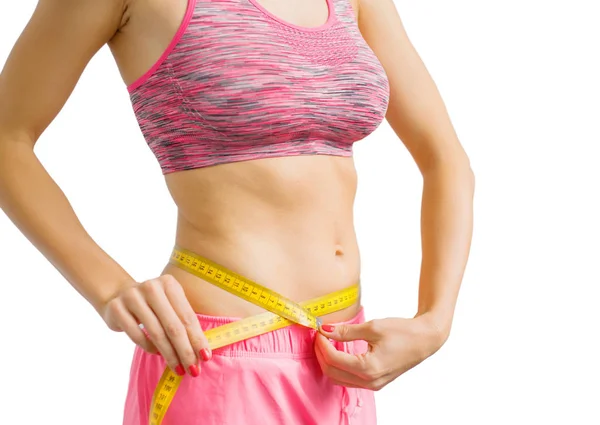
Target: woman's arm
418, 116
38, 77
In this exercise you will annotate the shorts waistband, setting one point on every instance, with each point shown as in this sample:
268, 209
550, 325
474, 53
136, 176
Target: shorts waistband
292, 341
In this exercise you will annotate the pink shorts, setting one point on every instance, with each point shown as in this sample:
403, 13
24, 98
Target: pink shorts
270, 379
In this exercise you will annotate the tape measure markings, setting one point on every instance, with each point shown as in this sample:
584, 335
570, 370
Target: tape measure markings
242, 287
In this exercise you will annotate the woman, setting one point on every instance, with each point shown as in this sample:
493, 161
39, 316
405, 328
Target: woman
251, 108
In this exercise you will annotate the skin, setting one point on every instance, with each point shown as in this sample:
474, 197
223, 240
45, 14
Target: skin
297, 210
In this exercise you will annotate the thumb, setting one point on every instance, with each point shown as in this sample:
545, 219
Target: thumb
345, 332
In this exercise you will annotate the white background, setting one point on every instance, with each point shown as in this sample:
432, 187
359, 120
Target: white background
521, 82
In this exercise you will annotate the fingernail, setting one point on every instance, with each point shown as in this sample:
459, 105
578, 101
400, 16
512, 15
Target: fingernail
194, 371
328, 328
179, 370
206, 354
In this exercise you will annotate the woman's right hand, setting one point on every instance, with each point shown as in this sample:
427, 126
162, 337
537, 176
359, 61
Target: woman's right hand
173, 329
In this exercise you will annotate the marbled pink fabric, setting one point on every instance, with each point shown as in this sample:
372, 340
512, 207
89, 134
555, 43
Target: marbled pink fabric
237, 83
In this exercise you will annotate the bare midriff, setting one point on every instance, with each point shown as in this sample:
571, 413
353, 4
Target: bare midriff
286, 223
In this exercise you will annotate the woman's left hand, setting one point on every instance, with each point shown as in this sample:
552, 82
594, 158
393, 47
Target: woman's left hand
395, 346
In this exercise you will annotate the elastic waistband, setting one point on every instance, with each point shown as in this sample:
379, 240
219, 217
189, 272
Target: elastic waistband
292, 341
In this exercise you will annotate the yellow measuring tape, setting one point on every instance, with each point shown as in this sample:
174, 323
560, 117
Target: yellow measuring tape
281, 312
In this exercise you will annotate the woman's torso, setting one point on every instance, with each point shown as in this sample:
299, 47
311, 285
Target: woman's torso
285, 221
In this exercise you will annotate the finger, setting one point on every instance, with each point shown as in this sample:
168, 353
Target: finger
138, 306
188, 317
129, 325
355, 364
347, 379
339, 377
172, 326
347, 332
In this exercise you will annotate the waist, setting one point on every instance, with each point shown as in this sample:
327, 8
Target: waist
299, 271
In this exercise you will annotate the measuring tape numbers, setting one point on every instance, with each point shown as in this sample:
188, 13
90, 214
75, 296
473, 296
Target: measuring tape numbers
281, 312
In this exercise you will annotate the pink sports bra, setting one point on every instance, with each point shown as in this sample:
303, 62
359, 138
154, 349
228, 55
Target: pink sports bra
238, 83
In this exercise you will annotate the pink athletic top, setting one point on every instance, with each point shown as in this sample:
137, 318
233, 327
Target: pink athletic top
238, 83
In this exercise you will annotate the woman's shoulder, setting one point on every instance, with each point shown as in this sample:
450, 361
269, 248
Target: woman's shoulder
48, 59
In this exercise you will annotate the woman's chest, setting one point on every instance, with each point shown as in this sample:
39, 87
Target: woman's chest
235, 65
